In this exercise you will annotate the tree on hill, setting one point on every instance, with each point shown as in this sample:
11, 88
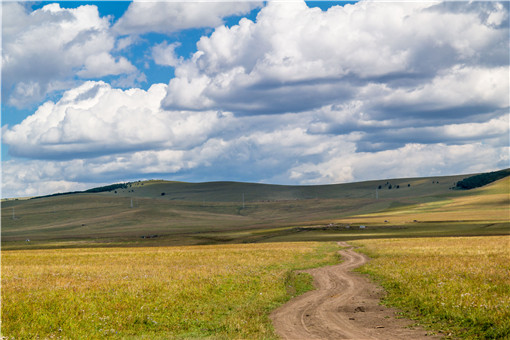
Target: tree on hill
108, 187
482, 179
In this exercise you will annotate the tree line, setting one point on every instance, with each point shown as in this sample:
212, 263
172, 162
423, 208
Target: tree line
482, 179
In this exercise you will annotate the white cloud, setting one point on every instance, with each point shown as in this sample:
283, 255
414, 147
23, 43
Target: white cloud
167, 17
411, 160
44, 50
286, 156
300, 96
104, 64
457, 87
35, 178
164, 54
295, 58
96, 119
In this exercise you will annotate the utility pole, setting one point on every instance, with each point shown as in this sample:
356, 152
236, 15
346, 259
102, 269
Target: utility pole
131, 203
243, 200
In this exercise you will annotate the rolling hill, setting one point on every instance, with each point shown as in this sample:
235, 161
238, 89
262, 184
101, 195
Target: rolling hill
163, 212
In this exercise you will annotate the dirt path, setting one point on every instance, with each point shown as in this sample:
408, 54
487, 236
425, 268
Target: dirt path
345, 305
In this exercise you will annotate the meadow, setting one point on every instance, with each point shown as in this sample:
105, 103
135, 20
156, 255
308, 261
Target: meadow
219, 292
427, 207
460, 285
218, 267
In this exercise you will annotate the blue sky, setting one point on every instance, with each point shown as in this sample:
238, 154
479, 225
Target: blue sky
273, 92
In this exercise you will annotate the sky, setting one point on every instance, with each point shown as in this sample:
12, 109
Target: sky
285, 92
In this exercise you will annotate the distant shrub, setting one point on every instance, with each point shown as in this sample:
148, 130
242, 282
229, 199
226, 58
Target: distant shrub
162, 194
482, 179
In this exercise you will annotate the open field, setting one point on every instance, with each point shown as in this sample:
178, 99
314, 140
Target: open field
457, 284
108, 219
101, 265
222, 291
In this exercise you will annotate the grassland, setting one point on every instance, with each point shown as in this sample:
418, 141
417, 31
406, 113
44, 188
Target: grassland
457, 284
427, 207
88, 273
224, 291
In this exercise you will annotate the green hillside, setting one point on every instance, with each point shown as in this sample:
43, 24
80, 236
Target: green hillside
234, 191
174, 213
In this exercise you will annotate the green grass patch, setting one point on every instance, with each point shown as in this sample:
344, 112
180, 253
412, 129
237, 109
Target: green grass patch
218, 292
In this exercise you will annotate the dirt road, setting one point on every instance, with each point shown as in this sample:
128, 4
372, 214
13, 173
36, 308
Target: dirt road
345, 305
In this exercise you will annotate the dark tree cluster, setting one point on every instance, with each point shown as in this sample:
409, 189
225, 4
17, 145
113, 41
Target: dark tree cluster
482, 179
112, 187
390, 186
108, 187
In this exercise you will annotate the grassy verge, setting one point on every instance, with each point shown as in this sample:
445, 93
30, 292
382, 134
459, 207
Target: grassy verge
456, 284
217, 292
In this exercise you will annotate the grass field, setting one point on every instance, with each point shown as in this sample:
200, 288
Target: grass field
422, 209
458, 284
88, 273
223, 291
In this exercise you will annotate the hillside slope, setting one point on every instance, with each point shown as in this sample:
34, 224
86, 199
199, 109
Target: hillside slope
234, 191
205, 213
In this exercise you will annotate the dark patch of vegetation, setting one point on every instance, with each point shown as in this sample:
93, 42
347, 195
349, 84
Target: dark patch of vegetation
482, 179
57, 194
109, 187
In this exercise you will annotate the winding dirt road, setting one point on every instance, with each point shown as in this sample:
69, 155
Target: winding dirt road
344, 305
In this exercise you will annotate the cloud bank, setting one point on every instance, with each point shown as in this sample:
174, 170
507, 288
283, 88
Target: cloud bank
298, 96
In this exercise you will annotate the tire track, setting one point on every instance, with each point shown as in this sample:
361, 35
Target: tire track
344, 305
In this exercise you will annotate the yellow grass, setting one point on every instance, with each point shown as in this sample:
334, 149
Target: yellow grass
460, 284
489, 203
166, 292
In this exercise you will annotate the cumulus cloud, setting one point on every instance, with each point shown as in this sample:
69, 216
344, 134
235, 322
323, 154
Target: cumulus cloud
96, 119
299, 96
167, 17
164, 54
295, 58
44, 50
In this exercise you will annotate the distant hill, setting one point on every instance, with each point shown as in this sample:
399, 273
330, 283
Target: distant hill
239, 191
177, 213
252, 192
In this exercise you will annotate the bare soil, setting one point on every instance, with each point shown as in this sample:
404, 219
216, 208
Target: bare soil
344, 305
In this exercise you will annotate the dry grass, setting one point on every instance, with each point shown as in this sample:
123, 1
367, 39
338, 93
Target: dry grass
457, 284
166, 292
